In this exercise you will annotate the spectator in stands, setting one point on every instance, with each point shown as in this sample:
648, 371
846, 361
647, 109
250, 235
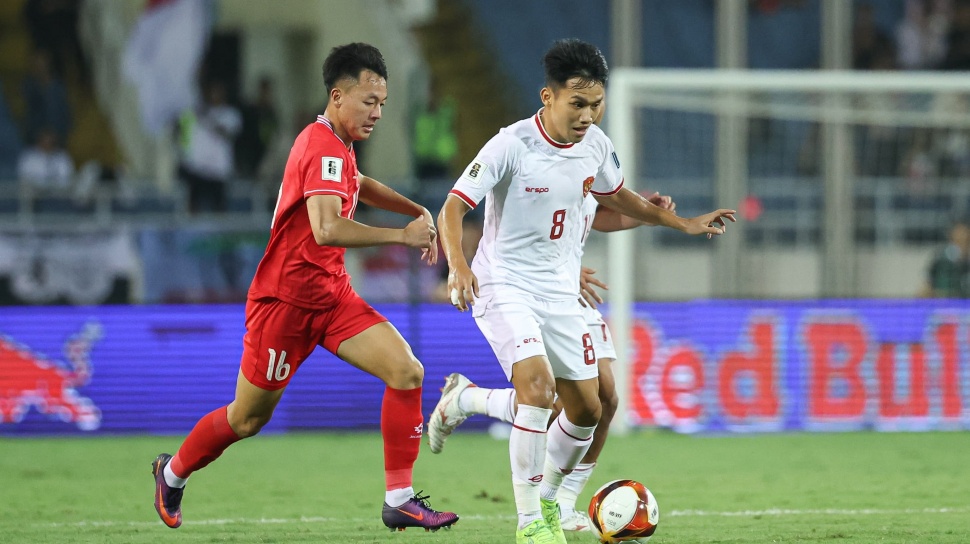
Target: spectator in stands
869, 42
53, 28
434, 142
46, 166
9, 141
921, 35
951, 146
882, 148
958, 39
949, 272
46, 98
260, 128
207, 136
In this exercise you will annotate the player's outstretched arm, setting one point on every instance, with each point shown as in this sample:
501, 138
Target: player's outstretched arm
462, 283
633, 205
607, 220
331, 229
375, 193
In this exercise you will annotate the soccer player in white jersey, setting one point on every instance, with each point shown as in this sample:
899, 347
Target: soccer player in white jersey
461, 399
534, 176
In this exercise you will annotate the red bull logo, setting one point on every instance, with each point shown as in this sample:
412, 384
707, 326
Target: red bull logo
30, 380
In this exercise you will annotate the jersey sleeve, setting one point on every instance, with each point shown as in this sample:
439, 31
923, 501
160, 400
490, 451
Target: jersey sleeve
325, 169
493, 162
609, 177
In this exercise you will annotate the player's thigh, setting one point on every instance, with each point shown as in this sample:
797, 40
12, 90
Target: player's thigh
252, 407
279, 337
350, 317
607, 387
381, 351
600, 333
569, 344
511, 328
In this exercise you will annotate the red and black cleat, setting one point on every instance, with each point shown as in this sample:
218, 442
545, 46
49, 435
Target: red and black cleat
168, 500
417, 513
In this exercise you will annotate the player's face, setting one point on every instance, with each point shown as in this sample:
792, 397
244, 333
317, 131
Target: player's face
359, 104
570, 110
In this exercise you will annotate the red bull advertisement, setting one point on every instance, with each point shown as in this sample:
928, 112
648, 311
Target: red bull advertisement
30, 380
828, 366
705, 366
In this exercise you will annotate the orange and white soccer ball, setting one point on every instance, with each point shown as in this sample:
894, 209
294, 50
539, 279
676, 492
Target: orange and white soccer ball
623, 511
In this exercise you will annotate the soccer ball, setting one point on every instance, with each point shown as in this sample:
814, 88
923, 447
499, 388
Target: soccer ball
623, 511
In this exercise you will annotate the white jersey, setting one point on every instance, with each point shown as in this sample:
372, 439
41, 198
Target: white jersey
534, 217
587, 212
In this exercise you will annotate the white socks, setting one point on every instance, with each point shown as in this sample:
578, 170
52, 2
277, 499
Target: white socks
397, 497
564, 446
171, 479
567, 444
495, 403
527, 451
572, 486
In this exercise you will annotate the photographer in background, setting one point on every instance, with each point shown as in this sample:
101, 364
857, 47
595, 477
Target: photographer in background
948, 275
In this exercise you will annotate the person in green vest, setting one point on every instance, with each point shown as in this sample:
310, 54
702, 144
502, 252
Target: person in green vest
434, 141
948, 275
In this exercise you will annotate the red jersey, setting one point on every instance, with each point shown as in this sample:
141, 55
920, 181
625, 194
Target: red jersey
294, 268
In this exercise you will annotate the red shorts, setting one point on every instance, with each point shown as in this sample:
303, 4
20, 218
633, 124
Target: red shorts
280, 336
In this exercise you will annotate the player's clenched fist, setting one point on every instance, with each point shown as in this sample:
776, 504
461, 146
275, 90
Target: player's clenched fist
463, 287
420, 233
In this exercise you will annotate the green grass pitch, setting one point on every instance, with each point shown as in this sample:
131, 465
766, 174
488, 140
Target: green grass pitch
802, 488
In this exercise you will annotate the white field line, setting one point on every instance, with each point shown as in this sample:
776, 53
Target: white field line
674, 513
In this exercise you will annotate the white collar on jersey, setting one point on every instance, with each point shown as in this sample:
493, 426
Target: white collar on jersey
542, 130
324, 121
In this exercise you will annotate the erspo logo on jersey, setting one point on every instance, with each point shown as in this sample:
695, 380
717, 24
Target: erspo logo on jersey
474, 172
29, 379
537, 189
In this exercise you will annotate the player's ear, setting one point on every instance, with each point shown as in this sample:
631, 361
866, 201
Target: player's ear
335, 95
545, 95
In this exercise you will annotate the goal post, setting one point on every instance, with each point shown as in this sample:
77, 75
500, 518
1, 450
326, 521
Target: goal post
835, 139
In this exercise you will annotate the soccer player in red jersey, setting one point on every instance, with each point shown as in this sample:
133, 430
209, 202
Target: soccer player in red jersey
301, 297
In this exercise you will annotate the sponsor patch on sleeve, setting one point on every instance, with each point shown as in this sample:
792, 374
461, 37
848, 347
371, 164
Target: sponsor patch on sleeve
616, 160
474, 172
331, 168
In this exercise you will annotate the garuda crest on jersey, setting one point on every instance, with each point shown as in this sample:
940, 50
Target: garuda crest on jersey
587, 185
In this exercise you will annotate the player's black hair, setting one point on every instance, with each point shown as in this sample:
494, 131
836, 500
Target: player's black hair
348, 60
571, 58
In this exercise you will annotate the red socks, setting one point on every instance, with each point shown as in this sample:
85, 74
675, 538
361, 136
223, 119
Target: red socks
401, 426
210, 437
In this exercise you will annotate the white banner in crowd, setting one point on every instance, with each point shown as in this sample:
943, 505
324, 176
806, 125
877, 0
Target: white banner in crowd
162, 58
66, 267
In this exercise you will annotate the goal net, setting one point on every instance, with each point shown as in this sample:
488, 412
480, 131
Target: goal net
845, 182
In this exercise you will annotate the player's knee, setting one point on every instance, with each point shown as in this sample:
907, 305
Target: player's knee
408, 373
249, 426
538, 391
586, 413
609, 403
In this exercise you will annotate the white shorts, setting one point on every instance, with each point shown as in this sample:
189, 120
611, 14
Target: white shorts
518, 325
602, 338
